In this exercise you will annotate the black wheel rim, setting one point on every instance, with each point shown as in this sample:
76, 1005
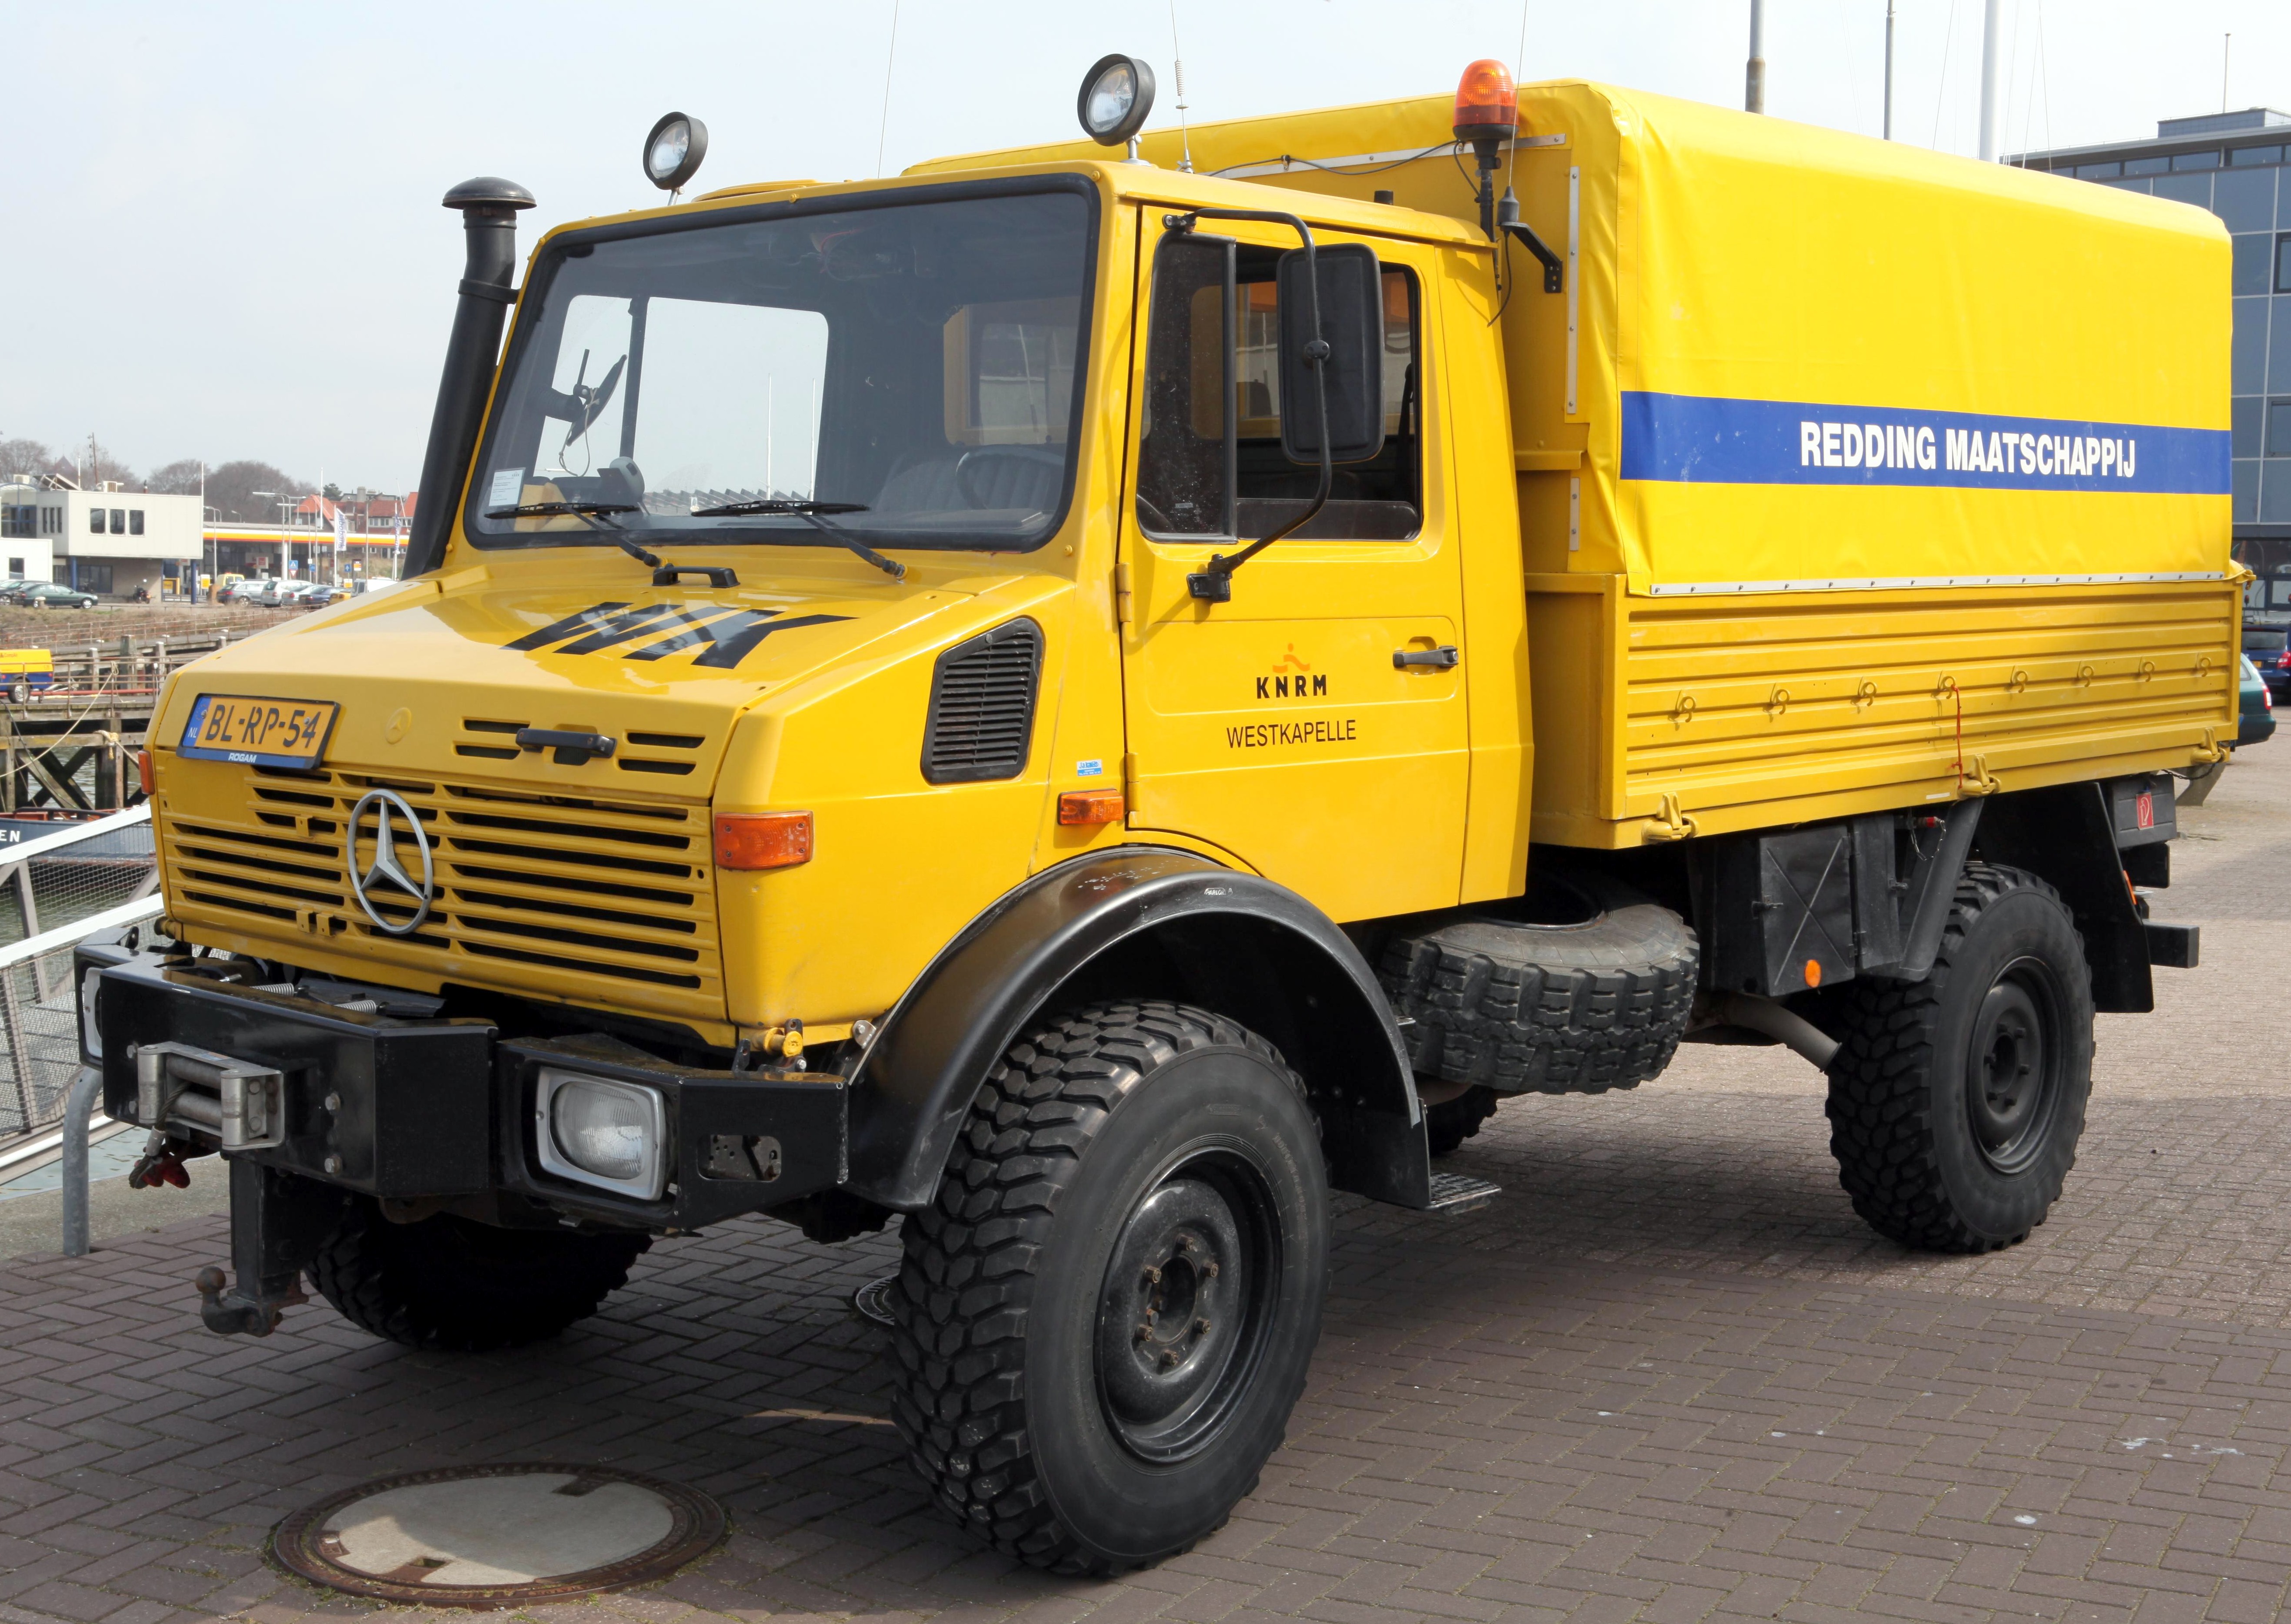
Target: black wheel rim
2014, 1065
1187, 1304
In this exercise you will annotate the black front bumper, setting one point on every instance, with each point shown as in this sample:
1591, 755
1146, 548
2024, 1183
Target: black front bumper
409, 1109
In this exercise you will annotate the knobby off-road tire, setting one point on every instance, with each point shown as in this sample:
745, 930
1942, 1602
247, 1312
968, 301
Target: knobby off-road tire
1106, 1316
1448, 1125
451, 1285
1956, 1103
1576, 1009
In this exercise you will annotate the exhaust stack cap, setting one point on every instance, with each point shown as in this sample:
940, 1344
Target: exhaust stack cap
490, 194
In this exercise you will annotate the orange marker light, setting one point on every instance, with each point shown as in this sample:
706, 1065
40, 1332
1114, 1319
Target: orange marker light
143, 769
1091, 806
762, 839
1813, 972
1487, 104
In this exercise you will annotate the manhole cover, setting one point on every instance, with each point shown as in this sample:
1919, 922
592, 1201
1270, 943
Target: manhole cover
498, 1535
873, 1301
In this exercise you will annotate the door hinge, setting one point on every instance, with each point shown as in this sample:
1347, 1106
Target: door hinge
1122, 591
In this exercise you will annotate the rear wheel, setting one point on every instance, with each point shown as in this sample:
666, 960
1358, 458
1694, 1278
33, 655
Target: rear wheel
1956, 1103
1106, 1316
446, 1283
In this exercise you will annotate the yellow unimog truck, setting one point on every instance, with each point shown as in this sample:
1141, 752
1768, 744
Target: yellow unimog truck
1080, 699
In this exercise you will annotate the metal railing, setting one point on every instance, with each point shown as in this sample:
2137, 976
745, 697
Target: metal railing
96, 875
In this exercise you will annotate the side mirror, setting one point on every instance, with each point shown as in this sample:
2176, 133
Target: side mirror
1352, 322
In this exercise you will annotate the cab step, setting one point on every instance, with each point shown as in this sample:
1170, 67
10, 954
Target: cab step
1453, 1194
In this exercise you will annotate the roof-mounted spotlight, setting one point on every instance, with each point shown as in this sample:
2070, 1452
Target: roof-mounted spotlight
1116, 95
674, 150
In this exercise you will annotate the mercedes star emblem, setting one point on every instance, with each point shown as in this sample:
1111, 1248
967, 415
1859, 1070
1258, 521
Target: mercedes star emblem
390, 812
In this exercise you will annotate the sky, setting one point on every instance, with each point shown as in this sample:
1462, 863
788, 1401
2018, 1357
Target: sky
225, 238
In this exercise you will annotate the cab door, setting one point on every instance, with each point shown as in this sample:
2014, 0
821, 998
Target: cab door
1313, 727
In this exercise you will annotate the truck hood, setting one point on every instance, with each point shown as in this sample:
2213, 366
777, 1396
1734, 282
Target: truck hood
438, 675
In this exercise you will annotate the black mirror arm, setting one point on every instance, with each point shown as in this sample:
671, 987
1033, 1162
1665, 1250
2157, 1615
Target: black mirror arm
1215, 583
1508, 223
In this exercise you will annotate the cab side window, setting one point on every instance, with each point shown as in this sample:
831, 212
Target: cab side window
1210, 464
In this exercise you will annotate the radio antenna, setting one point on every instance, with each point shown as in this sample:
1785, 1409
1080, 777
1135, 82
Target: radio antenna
1178, 60
1518, 77
890, 60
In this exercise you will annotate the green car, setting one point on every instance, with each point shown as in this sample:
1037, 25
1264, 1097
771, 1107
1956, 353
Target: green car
2255, 708
49, 595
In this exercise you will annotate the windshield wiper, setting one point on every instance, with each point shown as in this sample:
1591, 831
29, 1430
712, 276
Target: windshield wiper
778, 504
809, 512
591, 513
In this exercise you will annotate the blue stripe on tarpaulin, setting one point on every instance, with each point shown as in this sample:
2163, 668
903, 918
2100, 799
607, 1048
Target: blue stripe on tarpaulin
1702, 439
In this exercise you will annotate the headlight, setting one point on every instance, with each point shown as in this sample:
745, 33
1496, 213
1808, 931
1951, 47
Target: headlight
595, 1130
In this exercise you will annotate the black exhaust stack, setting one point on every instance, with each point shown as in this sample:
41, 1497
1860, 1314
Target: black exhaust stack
489, 207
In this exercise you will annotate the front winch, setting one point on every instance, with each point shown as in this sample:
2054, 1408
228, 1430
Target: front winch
243, 1103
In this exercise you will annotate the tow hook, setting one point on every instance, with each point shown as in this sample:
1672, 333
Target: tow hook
229, 1312
161, 1162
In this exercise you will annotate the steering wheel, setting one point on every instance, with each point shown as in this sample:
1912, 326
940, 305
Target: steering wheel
962, 476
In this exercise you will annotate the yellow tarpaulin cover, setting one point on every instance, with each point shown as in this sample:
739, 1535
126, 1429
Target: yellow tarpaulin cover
1754, 305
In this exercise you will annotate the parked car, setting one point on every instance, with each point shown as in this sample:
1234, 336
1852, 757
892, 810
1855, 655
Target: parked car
243, 589
14, 590
2257, 709
50, 595
2275, 671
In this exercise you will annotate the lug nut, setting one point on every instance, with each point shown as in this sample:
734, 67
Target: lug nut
1153, 1277
1209, 1269
1168, 1359
1144, 1332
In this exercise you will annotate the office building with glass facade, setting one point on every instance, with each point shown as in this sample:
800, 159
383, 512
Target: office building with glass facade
2232, 164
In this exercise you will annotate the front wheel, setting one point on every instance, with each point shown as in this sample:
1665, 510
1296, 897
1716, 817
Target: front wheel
1106, 1316
1956, 1103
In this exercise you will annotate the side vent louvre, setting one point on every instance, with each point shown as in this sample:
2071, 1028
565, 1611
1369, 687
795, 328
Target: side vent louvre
981, 706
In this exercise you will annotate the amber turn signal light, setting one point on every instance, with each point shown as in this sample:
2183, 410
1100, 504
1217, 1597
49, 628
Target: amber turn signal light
1091, 806
143, 769
762, 839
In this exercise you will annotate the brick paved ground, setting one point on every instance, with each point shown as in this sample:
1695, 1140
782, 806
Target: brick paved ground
1668, 1376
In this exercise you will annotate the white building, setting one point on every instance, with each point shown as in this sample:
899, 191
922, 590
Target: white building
107, 541
31, 526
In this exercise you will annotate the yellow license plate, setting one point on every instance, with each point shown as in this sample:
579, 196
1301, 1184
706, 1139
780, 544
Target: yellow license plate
258, 731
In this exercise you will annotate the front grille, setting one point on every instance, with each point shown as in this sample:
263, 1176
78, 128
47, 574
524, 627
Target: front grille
530, 888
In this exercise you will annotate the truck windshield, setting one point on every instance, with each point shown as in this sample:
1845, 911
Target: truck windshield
906, 374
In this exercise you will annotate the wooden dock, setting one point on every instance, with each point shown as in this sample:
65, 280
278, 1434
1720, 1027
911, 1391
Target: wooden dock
71, 747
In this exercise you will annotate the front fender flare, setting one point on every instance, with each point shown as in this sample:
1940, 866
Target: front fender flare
1152, 923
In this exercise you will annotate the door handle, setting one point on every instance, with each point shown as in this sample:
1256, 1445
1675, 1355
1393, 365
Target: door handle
1442, 658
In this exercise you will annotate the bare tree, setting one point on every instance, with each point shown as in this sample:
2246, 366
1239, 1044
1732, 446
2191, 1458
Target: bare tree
177, 479
232, 487
23, 456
